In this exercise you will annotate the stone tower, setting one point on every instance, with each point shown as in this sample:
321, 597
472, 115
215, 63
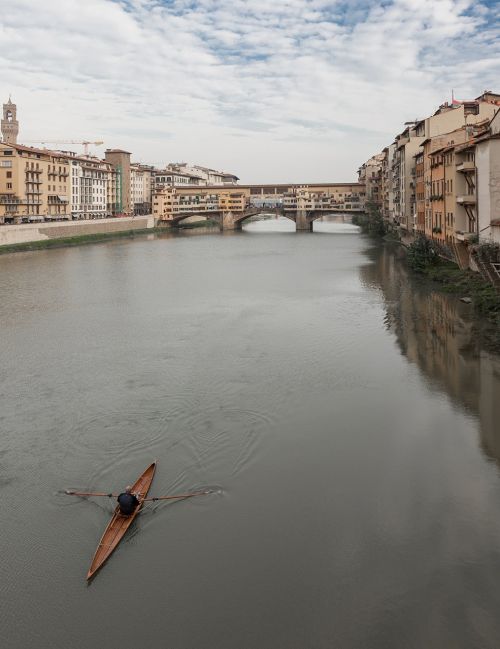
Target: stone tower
9, 125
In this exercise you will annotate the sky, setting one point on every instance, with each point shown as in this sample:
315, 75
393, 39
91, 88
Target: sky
271, 90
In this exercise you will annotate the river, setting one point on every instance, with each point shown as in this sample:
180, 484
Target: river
344, 415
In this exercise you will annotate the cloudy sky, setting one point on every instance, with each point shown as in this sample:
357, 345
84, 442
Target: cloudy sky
273, 90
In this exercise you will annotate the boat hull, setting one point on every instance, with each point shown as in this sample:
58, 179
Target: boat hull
119, 524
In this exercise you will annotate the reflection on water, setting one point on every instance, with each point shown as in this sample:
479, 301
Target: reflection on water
330, 224
439, 334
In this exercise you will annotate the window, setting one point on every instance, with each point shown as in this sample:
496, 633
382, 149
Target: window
9, 185
9, 174
8, 152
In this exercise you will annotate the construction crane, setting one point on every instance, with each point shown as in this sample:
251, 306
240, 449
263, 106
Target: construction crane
84, 143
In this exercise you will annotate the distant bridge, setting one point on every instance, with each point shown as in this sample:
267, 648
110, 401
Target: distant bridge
231, 205
233, 220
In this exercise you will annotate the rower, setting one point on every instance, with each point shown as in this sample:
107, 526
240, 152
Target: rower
127, 501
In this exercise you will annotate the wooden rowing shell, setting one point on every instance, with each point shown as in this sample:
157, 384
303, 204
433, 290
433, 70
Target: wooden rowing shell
119, 524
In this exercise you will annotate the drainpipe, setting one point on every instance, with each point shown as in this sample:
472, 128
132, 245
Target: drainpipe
477, 194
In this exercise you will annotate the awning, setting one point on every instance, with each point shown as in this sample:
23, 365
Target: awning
63, 199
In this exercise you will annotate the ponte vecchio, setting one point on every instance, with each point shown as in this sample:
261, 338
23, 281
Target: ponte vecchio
231, 205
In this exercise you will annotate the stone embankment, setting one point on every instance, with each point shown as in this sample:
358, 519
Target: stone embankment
31, 232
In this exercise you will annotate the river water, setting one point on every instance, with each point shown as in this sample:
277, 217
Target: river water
344, 415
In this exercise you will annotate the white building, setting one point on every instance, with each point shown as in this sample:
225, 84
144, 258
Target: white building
89, 187
169, 177
141, 180
206, 175
487, 160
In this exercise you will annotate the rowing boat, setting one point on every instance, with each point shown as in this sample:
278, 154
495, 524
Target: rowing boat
119, 524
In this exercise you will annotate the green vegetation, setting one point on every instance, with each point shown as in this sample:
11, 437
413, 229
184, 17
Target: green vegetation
488, 252
82, 239
424, 259
422, 255
371, 222
77, 240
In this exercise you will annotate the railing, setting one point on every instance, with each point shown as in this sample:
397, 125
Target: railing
464, 236
467, 165
466, 199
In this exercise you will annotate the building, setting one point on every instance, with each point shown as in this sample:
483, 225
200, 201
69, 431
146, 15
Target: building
386, 181
310, 198
400, 202
170, 202
487, 163
90, 183
141, 188
407, 145
9, 123
370, 174
173, 178
121, 189
206, 175
420, 192
35, 184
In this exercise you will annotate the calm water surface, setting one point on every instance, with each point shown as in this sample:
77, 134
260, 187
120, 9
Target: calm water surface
345, 415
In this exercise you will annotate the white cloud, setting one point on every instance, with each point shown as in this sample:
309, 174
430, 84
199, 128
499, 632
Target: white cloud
284, 90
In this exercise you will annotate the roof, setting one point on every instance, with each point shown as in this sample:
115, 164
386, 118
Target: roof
445, 147
169, 172
271, 185
118, 151
22, 147
487, 136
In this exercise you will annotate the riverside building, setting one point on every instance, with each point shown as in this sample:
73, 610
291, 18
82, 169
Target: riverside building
413, 172
35, 184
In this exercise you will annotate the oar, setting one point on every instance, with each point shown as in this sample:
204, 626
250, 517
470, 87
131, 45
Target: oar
197, 493
97, 493
89, 493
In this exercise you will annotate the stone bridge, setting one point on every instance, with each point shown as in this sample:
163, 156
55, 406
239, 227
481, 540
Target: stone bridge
233, 220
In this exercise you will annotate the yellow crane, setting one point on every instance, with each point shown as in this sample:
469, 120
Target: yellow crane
84, 143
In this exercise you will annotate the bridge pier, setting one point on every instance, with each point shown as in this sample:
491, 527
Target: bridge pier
228, 222
302, 223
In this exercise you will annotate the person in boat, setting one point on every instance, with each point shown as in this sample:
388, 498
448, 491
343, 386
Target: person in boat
127, 501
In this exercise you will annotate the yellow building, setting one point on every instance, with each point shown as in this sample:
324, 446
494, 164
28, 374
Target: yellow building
35, 184
170, 202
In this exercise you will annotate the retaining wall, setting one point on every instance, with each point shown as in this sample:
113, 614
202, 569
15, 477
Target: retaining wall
26, 232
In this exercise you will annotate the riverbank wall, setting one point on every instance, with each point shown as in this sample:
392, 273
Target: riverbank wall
32, 232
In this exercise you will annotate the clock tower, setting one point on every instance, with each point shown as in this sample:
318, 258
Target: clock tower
9, 124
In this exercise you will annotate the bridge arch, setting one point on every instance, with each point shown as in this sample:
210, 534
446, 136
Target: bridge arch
178, 218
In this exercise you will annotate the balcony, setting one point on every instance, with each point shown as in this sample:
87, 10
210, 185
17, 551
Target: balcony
466, 166
10, 200
466, 199
464, 236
